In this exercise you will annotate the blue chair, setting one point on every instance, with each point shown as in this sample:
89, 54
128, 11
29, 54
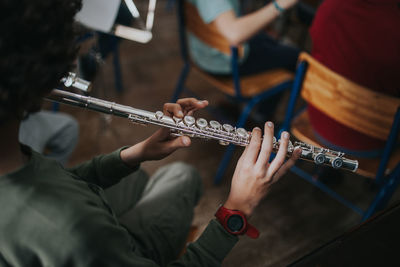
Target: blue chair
369, 112
248, 90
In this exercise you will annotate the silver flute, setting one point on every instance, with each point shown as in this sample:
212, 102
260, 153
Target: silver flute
201, 128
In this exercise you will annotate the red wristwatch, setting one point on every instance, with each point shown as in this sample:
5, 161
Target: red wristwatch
235, 222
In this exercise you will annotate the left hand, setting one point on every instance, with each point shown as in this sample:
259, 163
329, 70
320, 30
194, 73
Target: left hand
161, 143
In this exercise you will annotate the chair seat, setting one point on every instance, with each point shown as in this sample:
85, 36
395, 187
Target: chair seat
302, 130
251, 85
192, 236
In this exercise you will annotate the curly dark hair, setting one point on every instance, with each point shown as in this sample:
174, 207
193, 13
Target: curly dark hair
37, 48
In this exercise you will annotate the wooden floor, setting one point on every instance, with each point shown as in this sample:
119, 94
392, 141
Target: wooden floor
293, 219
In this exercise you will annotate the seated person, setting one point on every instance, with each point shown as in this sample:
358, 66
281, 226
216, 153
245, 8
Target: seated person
359, 40
62, 217
261, 52
54, 134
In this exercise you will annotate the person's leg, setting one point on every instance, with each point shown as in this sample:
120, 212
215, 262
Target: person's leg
106, 41
53, 131
127, 193
160, 222
266, 54
89, 63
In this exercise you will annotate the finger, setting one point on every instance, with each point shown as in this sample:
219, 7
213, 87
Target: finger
180, 142
253, 149
191, 104
172, 109
243, 156
280, 156
288, 164
267, 144
189, 110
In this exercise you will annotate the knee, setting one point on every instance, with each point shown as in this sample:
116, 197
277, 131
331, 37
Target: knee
189, 175
187, 171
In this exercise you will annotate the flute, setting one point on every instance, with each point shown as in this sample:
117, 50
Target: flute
201, 128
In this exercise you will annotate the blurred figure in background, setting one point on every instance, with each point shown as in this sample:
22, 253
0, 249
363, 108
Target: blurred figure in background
261, 52
359, 39
54, 134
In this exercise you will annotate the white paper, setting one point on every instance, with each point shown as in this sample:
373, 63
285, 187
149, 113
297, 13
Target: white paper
98, 14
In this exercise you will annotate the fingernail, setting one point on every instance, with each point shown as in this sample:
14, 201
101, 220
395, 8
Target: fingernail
257, 128
180, 113
270, 124
200, 102
186, 141
285, 135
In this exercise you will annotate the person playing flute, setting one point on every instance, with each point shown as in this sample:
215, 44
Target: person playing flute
107, 211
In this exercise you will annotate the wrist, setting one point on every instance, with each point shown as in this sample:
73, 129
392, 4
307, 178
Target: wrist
245, 208
132, 156
279, 6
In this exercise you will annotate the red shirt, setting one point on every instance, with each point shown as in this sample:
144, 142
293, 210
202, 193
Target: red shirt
359, 39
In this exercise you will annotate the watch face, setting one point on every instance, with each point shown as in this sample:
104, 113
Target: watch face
235, 223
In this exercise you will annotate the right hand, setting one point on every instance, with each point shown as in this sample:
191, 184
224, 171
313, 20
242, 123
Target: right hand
254, 174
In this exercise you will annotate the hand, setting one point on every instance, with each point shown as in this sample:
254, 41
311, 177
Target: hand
286, 4
254, 174
161, 143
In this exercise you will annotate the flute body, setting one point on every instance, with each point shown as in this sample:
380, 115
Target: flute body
201, 128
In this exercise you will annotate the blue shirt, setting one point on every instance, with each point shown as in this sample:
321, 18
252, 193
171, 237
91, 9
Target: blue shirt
206, 57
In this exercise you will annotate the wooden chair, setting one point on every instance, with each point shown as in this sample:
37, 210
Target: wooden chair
369, 112
248, 90
192, 237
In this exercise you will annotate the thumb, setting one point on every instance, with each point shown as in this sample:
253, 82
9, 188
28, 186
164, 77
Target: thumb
182, 141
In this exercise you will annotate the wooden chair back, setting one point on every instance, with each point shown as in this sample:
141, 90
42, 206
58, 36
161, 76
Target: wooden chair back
207, 33
357, 107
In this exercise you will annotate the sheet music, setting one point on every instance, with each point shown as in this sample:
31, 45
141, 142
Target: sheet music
98, 14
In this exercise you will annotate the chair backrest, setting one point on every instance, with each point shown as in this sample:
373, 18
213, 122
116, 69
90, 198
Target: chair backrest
357, 107
207, 33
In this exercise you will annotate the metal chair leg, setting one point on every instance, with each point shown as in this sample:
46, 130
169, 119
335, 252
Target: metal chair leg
117, 69
325, 189
224, 163
385, 193
297, 84
181, 82
55, 106
231, 148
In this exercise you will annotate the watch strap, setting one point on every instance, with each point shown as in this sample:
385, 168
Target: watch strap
252, 231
